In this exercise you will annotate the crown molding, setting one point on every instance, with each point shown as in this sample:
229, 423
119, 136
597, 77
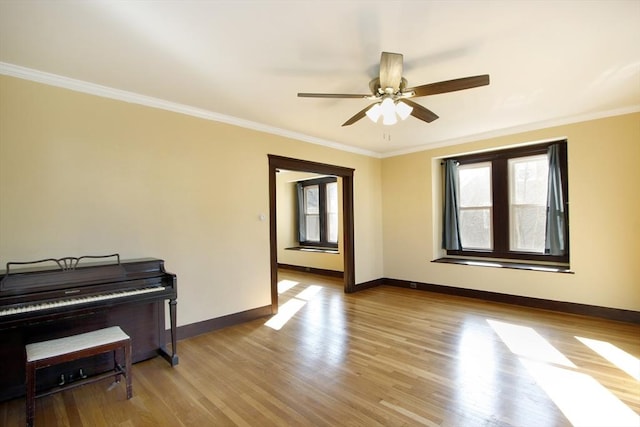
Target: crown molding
528, 127
135, 98
148, 101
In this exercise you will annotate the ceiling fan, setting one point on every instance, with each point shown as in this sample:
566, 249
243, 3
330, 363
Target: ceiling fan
391, 94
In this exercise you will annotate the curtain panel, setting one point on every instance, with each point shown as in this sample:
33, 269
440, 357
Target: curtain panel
451, 227
302, 223
556, 217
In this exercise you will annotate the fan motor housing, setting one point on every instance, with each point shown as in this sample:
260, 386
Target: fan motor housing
374, 86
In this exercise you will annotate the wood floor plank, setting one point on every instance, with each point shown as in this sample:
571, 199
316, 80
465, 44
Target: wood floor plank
384, 356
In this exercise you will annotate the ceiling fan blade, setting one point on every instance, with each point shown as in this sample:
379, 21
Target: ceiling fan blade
450, 85
360, 114
390, 71
332, 95
420, 112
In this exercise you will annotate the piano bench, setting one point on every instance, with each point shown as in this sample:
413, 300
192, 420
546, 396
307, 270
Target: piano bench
48, 353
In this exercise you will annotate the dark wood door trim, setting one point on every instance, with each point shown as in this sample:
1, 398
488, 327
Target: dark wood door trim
278, 162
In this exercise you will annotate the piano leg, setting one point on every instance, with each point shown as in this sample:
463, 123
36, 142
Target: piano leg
173, 305
173, 357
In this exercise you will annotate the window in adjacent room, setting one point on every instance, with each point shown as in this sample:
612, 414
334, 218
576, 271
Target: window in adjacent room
318, 212
508, 204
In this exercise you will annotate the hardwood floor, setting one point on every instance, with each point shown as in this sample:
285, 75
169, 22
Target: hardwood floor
384, 356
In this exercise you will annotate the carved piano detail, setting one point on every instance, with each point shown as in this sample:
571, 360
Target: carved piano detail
59, 297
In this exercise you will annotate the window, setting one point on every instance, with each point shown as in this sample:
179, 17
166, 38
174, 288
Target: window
318, 212
528, 181
475, 205
502, 203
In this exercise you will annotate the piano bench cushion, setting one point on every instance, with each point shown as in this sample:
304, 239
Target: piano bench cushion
58, 347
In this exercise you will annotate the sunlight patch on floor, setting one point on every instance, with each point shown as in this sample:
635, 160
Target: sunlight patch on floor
287, 310
309, 293
476, 369
582, 399
615, 355
285, 285
526, 342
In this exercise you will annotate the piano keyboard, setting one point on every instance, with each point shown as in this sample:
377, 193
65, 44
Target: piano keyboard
75, 301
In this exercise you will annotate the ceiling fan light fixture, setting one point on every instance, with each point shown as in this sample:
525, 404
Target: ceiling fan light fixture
403, 110
388, 109
374, 112
389, 120
387, 106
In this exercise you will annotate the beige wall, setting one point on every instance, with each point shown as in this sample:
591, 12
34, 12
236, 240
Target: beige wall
604, 218
286, 208
80, 174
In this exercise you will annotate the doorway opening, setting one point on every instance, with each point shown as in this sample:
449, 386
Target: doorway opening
278, 162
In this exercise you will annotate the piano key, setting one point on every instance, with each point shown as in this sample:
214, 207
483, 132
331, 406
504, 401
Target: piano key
80, 300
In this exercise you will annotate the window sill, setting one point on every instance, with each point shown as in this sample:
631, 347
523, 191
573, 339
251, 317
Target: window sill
314, 249
506, 264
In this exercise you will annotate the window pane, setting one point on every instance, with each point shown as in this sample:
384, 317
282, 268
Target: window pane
332, 212
528, 180
475, 228
475, 184
475, 206
528, 228
311, 200
528, 202
332, 224
313, 228
332, 197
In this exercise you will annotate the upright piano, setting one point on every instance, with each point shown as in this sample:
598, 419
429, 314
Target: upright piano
53, 298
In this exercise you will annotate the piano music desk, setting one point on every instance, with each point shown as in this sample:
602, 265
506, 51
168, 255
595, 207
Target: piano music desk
52, 352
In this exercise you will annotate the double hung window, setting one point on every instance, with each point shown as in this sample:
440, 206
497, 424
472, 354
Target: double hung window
509, 204
318, 212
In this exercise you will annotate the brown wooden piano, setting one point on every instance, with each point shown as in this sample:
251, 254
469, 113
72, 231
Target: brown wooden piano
53, 298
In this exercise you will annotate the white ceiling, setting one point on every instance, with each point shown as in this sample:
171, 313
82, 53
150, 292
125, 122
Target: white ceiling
244, 62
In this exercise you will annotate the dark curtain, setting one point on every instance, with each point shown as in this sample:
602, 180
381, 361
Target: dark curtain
451, 228
302, 223
556, 217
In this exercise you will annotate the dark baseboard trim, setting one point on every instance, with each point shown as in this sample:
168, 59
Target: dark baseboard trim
198, 328
616, 314
319, 271
368, 285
